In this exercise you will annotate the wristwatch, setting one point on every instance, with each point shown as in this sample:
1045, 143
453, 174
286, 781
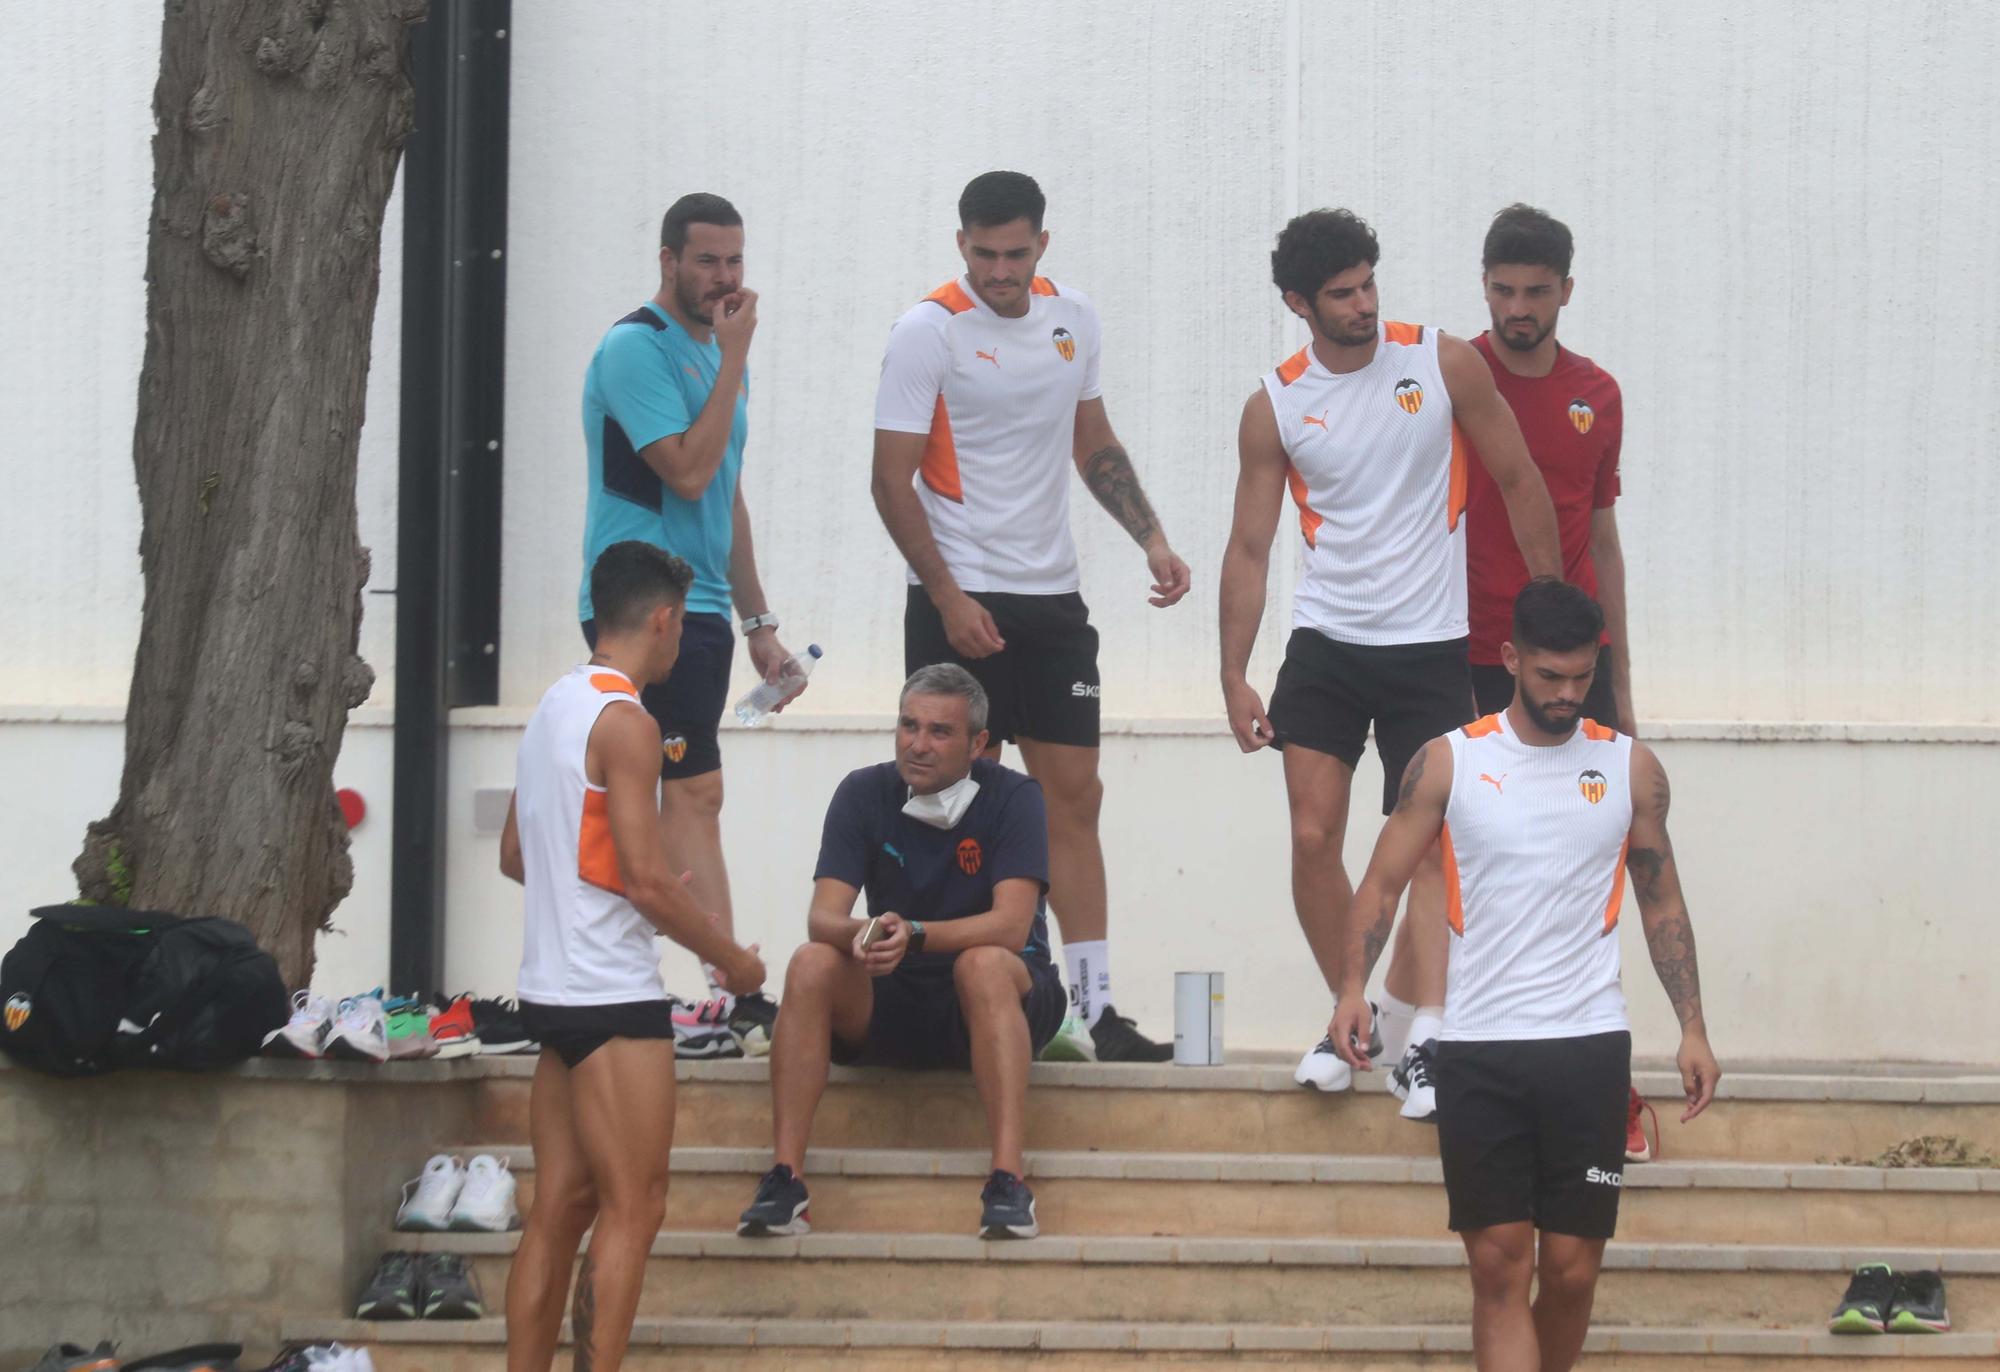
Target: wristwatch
767, 620
916, 940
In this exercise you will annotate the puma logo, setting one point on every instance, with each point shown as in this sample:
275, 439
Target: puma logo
1319, 419
1487, 776
993, 357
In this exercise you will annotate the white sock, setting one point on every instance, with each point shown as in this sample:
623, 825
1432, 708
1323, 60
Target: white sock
1088, 963
1397, 1019
715, 990
1429, 1024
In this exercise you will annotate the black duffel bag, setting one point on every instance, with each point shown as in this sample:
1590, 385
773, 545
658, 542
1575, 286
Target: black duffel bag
93, 988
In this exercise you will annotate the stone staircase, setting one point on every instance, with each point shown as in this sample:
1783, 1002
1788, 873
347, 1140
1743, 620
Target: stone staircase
1225, 1218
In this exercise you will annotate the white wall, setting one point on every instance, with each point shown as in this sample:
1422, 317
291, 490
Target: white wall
1785, 218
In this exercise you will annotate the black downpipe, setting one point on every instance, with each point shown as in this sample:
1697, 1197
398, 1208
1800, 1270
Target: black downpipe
448, 483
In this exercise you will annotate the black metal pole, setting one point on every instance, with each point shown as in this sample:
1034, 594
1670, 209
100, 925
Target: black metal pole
448, 485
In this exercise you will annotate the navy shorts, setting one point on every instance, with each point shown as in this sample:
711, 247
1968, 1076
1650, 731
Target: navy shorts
574, 1032
688, 705
918, 1023
1042, 685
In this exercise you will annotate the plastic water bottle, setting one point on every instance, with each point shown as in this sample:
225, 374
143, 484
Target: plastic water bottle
756, 705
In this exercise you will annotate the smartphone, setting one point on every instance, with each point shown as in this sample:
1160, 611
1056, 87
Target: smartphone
872, 934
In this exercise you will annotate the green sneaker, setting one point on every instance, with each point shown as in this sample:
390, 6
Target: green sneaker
1865, 1307
1072, 1043
409, 1029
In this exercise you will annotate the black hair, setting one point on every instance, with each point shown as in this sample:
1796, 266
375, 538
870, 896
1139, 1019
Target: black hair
1552, 616
1318, 246
1525, 236
698, 208
631, 579
1000, 197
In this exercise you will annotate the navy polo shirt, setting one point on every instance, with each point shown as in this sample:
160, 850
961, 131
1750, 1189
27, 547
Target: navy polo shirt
925, 873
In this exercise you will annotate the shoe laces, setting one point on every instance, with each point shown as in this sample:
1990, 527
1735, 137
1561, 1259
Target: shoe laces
442, 1175
1417, 1065
1874, 1282
1923, 1288
308, 1008
774, 1181
360, 1013
714, 1010
482, 1177
1002, 1185
1636, 1104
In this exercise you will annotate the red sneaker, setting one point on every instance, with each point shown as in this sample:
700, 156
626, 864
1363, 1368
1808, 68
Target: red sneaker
1636, 1147
453, 1031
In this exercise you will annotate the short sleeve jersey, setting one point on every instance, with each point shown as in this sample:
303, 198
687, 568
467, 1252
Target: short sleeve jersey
649, 379
930, 874
996, 399
1574, 422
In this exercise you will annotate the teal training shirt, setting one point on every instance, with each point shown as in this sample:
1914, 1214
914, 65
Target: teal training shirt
649, 379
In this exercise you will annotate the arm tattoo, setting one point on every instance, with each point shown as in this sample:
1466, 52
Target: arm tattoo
1412, 774
583, 1314
1108, 472
1671, 942
1646, 866
1376, 937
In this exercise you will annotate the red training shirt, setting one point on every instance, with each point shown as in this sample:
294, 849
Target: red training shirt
1574, 421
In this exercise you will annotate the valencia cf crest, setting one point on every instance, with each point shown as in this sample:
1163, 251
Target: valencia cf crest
969, 856
1581, 415
675, 746
19, 1007
1593, 785
1065, 342
1409, 394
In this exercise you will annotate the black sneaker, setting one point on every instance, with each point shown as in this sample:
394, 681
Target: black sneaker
1008, 1206
392, 1291
500, 1029
1865, 1307
1118, 1040
1918, 1305
67, 1357
781, 1207
751, 1020
200, 1357
447, 1289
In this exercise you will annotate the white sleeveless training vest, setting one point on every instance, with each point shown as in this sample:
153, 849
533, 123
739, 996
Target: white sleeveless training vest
1378, 470
583, 943
1534, 866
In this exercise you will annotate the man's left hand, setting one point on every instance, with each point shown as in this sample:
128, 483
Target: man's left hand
888, 951
1170, 575
769, 657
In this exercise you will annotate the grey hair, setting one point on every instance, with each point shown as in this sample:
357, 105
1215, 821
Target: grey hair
949, 679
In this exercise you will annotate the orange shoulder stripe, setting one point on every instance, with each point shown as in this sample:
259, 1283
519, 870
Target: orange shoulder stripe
1454, 894
1041, 285
1480, 728
1597, 732
1394, 332
1617, 888
613, 685
952, 296
1294, 367
1309, 518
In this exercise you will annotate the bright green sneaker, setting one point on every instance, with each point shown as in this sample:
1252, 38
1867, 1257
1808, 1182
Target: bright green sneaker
1072, 1043
409, 1029
1865, 1307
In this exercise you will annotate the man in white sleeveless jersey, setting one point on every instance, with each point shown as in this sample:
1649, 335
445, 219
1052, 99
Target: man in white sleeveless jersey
583, 836
1367, 426
1540, 813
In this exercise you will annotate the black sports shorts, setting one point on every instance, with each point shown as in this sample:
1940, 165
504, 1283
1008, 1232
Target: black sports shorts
577, 1031
1043, 684
918, 1023
1534, 1129
688, 704
1329, 692
1493, 691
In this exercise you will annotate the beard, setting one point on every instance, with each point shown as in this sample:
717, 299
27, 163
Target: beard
1560, 725
1519, 343
694, 306
1353, 337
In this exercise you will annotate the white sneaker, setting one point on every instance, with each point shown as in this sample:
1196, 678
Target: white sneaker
436, 1190
304, 1035
360, 1030
337, 1357
1322, 1068
1410, 1082
487, 1200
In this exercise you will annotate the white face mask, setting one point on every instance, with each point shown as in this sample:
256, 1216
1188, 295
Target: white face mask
943, 809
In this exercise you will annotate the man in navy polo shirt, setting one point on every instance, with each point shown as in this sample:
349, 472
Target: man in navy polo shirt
953, 851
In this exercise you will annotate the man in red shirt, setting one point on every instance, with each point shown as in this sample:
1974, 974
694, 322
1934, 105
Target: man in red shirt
1571, 414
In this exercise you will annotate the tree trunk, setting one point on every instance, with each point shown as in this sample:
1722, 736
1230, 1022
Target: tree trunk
278, 127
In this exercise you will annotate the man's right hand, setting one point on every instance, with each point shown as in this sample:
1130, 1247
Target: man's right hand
1246, 716
887, 953
969, 628
1350, 1030
735, 320
744, 974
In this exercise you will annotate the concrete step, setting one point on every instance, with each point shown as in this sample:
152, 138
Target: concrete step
1300, 1196
959, 1277
1259, 1110
808, 1345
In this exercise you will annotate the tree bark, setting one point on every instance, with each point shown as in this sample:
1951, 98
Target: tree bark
279, 124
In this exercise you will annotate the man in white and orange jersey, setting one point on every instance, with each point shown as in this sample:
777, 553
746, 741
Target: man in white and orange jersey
1364, 425
583, 836
989, 395
1541, 813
